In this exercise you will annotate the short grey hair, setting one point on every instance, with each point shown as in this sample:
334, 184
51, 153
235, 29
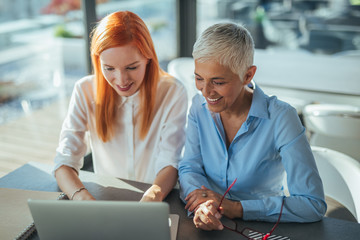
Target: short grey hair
229, 44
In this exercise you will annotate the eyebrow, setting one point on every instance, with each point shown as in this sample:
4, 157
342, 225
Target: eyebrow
214, 78
107, 65
132, 63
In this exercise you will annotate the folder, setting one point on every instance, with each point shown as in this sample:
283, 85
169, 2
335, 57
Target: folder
16, 221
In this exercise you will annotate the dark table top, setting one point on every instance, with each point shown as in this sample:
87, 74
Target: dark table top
29, 177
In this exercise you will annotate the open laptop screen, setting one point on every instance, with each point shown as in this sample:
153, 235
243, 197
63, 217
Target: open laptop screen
56, 219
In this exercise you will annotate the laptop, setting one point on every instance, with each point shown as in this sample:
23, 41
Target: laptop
62, 219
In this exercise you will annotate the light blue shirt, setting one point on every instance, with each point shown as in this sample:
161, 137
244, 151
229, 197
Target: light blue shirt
270, 143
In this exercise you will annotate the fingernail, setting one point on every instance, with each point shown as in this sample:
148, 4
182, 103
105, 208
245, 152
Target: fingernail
221, 227
217, 215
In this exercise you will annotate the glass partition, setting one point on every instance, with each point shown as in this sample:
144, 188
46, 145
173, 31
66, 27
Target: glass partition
43, 50
317, 26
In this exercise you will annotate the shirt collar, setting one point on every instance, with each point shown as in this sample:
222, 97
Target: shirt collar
259, 105
127, 100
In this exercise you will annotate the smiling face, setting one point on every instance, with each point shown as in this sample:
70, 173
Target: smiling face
222, 89
123, 68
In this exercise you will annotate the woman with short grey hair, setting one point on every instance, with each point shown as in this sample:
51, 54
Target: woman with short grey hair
240, 138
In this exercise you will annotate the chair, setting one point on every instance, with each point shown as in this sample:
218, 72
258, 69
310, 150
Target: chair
340, 175
334, 126
183, 69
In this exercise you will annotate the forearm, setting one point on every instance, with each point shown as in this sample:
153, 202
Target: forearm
164, 182
69, 182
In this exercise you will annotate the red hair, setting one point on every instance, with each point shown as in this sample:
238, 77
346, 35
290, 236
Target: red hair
119, 29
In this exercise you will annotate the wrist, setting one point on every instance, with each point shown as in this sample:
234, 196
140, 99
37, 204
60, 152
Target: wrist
76, 194
233, 209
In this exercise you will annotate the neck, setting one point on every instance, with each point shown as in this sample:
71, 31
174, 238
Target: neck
241, 106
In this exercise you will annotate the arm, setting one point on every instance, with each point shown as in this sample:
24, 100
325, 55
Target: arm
72, 146
306, 201
191, 168
163, 184
172, 137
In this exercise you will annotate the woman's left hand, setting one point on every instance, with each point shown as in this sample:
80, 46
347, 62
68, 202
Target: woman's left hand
207, 217
198, 196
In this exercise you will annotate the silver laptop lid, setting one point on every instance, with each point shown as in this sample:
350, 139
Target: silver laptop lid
61, 219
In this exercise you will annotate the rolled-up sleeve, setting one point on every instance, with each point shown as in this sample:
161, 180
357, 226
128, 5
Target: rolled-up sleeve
172, 132
72, 145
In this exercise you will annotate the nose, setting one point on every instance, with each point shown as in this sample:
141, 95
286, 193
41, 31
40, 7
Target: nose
121, 78
207, 89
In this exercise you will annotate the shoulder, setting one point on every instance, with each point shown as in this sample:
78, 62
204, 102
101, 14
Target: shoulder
279, 108
85, 82
168, 82
198, 100
84, 88
284, 117
198, 105
172, 88
271, 108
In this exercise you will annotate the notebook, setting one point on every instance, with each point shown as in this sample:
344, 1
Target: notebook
15, 216
103, 220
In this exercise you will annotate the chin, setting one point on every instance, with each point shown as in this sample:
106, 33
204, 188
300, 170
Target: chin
215, 109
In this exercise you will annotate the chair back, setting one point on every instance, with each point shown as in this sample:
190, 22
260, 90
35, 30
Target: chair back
334, 126
340, 175
183, 70
333, 120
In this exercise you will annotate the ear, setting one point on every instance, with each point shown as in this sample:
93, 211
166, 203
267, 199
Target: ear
249, 74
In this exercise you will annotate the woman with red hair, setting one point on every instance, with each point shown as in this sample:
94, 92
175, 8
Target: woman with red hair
133, 112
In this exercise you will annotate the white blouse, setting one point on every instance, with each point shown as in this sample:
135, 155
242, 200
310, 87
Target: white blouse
125, 155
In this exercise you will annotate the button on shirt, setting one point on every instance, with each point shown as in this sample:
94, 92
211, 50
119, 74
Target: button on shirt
125, 155
269, 143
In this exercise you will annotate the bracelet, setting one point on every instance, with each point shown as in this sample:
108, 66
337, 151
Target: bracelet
78, 190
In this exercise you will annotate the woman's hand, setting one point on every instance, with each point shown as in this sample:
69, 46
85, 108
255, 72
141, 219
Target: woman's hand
153, 194
164, 182
231, 209
198, 196
207, 217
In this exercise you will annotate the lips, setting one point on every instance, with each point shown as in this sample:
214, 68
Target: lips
213, 100
125, 88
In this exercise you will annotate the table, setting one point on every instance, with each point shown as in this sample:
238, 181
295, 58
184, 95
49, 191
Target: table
32, 178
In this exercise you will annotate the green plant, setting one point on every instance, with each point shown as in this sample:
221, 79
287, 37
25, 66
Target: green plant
61, 31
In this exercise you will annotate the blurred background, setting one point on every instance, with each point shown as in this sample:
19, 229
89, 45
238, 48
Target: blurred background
44, 50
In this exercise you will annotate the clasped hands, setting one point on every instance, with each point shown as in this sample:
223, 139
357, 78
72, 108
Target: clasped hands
205, 205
